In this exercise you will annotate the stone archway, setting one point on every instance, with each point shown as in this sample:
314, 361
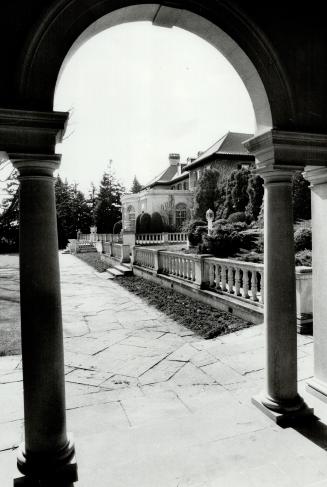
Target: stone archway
29, 130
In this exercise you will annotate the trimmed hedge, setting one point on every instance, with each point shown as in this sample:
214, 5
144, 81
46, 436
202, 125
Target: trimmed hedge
302, 239
117, 227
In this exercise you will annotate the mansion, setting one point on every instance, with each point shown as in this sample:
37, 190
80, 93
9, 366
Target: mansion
171, 193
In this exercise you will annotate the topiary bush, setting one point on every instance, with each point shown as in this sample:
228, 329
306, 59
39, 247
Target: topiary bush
138, 223
195, 236
223, 242
156, 223
304, 257
145, 223
302, 239
238, 216
117, 227
192, 224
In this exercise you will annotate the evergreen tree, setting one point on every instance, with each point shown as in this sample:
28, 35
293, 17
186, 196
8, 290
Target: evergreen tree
301, 198
108, 205
240, 196
73, 212
206, 193
255, 192
136, 186
9, 215
91, 201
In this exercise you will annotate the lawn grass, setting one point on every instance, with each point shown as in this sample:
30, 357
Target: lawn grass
93, 259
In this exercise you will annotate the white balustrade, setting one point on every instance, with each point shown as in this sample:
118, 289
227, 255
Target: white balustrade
175, 264
149, 239
144, 257
242, 279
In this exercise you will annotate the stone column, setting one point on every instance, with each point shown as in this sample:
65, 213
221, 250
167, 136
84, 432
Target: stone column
281, 396
275, 163
47, 454
318, 179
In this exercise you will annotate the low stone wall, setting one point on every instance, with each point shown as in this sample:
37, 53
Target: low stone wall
246, 311
226, 284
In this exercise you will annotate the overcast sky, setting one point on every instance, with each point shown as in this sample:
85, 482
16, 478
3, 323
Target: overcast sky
137, 92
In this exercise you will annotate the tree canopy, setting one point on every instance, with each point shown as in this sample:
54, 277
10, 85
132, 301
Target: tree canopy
136, 186
108, 205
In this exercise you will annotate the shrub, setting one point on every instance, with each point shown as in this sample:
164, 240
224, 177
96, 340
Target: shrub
302, 239
117, 227
138, 223
145, 223
220, 221
304, 258
156, 223
195, 223
195, 236
223, 243
238, 216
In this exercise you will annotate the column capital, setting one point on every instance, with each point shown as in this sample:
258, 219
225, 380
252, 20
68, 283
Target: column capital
279, 148
315, 175
30, 132
36, 165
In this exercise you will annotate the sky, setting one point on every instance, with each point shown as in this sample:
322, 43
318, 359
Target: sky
137, 92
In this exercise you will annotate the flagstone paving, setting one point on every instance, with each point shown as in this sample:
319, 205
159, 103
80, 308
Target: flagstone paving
152, 404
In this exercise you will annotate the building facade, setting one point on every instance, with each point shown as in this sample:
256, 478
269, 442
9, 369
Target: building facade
171, 193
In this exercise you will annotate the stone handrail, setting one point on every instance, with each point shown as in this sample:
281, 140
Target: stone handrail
160, 238
179, 237
241, 279
176, 264
144, 257
149, 238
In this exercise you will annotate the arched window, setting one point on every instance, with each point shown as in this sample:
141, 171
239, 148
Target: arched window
180, 215
130, 220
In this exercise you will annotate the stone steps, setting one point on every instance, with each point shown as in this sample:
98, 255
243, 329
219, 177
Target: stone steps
120, 270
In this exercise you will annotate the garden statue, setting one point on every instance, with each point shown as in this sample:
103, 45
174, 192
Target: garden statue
209, 217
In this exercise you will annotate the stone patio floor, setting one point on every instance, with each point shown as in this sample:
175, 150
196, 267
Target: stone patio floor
151, 404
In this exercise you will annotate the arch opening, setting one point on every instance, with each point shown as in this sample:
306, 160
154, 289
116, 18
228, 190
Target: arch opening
169, 17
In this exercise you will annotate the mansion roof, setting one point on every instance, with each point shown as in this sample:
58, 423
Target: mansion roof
229, 146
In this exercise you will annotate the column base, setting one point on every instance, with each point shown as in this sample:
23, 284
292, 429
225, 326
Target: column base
284, 414
317, 388
47, 470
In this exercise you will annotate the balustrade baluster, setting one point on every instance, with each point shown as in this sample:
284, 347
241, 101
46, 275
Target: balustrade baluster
246, 284
254, 286
211, 275
261, 288
223, 278
230, 280
237, 282
218, 273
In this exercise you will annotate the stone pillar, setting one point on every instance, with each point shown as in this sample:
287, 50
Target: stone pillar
275, 152
47, 454
318, 179
281, 394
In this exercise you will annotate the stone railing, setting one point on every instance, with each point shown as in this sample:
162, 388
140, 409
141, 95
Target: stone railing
117, 251
149, 239
241, 279
160, 238
98, 237
177, 237
145, 257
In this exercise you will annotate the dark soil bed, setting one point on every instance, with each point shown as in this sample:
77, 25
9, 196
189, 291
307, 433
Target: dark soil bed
93, 259
200, 318
204, 320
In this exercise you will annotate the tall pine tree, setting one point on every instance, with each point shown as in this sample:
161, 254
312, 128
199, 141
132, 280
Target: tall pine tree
108, 206
136, 186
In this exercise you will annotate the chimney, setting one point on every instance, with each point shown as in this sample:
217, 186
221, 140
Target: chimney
174, 159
